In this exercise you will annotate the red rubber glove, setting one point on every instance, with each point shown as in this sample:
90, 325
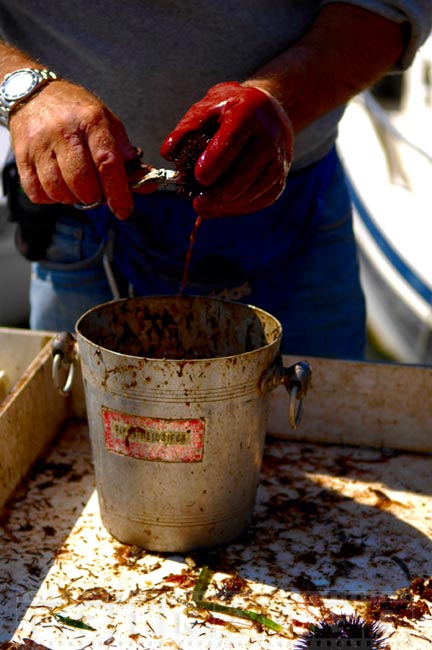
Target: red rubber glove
245, 165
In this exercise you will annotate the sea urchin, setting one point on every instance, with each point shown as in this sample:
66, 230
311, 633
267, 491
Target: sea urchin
190, 148
343, 631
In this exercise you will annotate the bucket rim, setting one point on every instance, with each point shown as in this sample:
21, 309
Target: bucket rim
194, 297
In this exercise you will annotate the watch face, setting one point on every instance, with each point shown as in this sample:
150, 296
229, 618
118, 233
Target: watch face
18, 84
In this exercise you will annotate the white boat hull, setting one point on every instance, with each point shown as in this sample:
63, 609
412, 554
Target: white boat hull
388, 161
399, 310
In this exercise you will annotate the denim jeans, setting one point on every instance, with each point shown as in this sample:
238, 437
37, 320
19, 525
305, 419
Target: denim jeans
313, 288
70, 280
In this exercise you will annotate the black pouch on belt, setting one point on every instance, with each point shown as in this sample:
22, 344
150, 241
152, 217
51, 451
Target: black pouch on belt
35, 223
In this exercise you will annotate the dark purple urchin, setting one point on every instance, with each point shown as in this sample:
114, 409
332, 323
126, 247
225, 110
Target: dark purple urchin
188, 151
343, 631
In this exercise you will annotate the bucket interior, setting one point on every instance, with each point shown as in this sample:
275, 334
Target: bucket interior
178, 327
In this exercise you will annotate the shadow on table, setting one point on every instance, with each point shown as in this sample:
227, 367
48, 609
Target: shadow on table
324, 522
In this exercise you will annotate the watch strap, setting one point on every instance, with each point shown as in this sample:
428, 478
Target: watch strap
7, 106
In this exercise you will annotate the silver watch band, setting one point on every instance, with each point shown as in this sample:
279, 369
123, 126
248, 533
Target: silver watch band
8, 102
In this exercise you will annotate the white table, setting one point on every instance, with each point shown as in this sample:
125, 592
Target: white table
334, 526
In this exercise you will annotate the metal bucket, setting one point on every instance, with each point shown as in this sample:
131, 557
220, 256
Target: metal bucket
177, 392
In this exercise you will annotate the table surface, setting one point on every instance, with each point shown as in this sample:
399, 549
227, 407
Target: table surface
335, 527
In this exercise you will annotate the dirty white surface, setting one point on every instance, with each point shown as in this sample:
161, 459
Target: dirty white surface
334, 527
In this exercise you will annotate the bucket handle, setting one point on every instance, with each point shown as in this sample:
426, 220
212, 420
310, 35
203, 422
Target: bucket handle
64, 356
296, 379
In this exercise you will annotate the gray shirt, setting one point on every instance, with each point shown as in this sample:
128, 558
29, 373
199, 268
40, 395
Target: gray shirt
149, 61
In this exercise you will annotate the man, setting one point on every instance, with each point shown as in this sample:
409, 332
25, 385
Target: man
268, 82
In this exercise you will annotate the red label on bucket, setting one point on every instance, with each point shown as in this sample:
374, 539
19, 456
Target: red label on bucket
159, 439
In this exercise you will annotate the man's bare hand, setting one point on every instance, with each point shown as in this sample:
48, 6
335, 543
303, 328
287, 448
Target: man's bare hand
70, 148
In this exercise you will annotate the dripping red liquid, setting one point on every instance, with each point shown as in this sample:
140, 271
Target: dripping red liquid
192, 240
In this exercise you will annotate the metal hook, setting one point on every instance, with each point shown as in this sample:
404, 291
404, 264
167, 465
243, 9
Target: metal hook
66, 388
64, 356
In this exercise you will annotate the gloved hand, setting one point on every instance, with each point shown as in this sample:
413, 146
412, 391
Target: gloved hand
245, 165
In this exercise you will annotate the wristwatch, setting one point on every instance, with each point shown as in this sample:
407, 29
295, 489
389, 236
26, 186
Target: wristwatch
18, 86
